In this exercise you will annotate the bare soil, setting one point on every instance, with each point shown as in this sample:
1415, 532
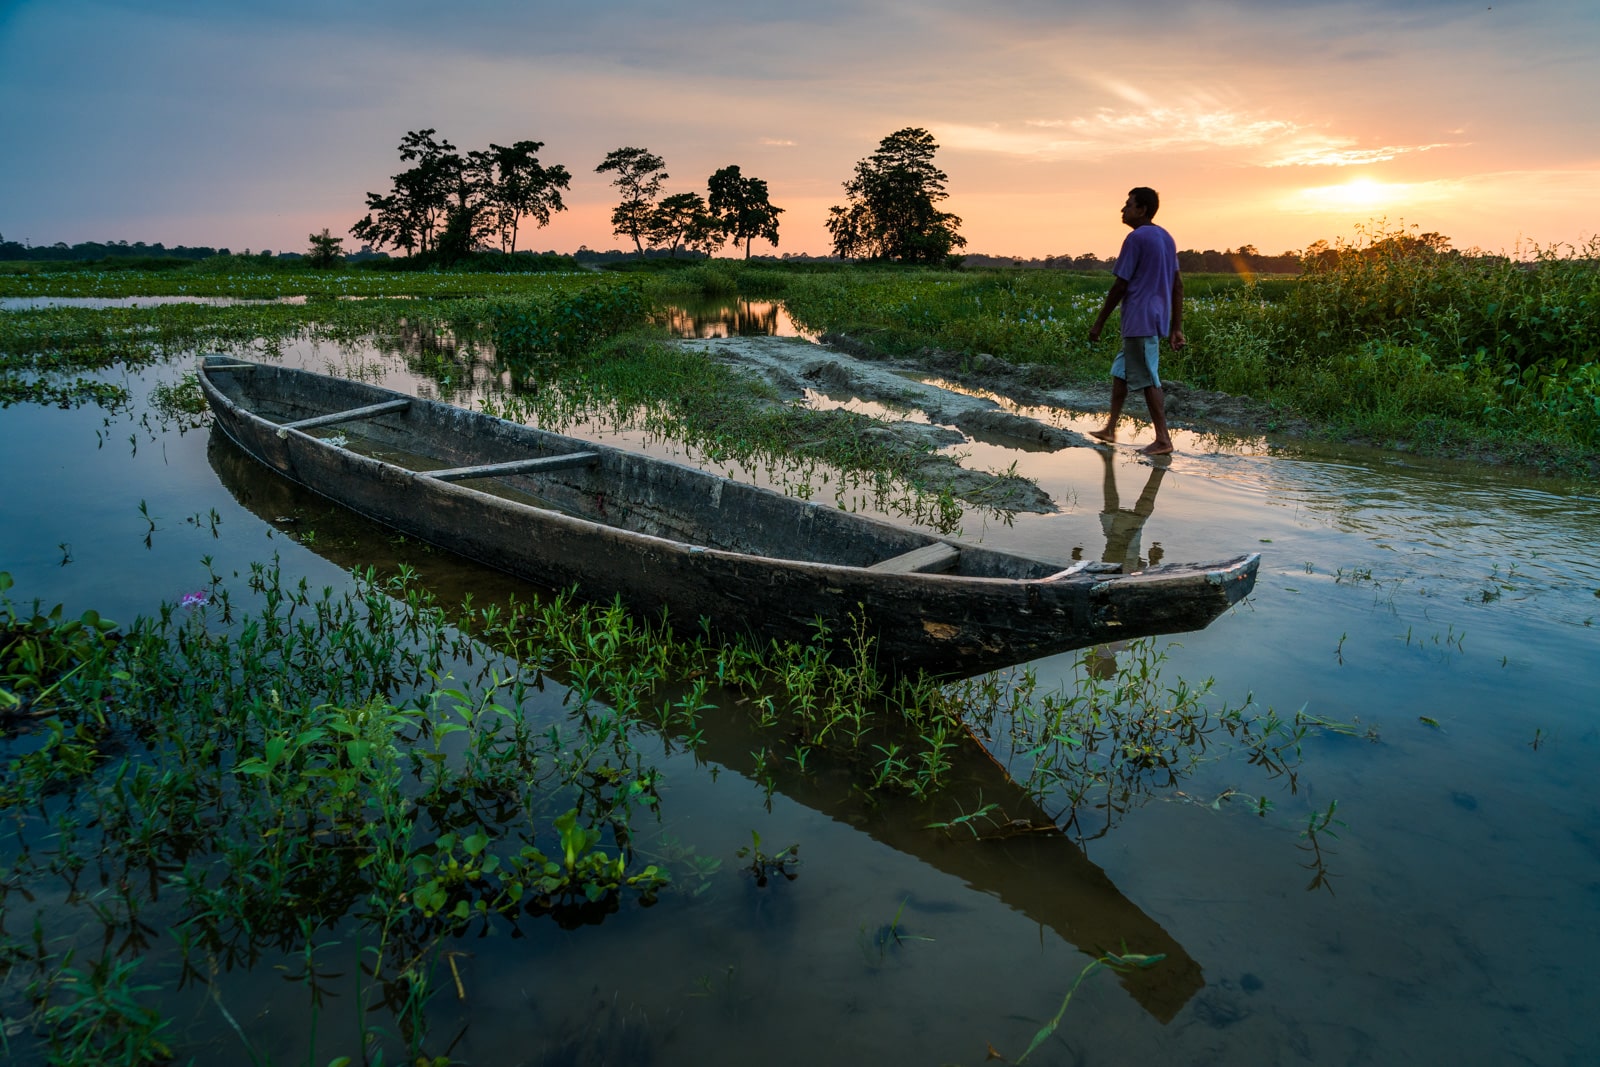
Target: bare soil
842, 365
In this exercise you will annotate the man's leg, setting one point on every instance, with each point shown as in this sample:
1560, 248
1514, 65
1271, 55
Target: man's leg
1156, 401
1119, 395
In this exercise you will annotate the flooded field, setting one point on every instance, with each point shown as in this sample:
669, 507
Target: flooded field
1418, 884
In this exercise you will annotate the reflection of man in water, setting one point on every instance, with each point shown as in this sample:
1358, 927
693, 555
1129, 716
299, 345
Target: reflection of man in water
1123, 526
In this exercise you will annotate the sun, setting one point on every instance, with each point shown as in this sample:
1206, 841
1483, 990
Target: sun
1360, 194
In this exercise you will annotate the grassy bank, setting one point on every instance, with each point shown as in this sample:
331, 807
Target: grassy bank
1389, 339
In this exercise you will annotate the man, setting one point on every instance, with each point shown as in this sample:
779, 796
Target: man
1150, 290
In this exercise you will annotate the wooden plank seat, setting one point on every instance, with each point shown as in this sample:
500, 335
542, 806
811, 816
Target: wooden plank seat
516, 466
928, 559
371, 411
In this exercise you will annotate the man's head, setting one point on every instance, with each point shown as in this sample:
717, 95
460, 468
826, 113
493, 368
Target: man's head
1141, 206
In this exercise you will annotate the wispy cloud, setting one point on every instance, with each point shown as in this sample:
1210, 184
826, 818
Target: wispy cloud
1200, 125
777, 142
1110, 132
1322, 151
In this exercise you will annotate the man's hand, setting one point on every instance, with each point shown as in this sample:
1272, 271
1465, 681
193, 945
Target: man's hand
1094, 331
1177, 339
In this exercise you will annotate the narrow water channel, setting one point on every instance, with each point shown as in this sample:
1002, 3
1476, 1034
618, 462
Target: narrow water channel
1421, 888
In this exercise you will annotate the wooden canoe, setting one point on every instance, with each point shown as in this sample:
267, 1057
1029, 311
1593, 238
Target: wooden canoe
562, 512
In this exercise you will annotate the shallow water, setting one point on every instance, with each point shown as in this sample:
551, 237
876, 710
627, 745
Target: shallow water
1451, 918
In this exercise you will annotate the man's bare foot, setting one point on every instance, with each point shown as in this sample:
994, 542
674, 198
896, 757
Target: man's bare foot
1108, 436
1157, 448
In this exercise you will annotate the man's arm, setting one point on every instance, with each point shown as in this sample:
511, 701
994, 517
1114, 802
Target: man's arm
1119, 289
1177, 338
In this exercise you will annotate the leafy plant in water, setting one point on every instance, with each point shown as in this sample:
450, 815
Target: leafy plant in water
96, 1017
1122, 963
764, 866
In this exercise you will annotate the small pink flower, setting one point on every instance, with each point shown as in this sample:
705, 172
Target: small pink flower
193, 600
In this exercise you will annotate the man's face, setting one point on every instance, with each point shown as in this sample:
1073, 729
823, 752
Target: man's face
1132, 214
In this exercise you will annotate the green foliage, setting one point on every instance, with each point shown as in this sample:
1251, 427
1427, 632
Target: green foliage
564, 323
1120, 962
1396, 331
39, 651
326, 251
181, 403
97, 1018
636, 381
764, 865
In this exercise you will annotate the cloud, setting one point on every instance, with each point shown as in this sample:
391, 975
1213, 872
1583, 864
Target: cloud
1111, 131
1340, 152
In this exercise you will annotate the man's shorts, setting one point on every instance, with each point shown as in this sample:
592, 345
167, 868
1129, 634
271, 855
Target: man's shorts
1139, 362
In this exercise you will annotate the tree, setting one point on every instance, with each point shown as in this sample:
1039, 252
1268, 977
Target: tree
515, 185
676, 218
639, 175
326, 250
704, 235
452, 205
741, 207
891, 212
420, 202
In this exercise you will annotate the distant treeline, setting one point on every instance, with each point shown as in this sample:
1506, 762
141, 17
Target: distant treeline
61, 251
93, 251
1243, 260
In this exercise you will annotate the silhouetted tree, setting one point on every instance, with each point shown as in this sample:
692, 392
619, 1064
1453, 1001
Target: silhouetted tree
639, 175
514, 185
326, 250
420, 201
452, 205
742, 209
891, 213
675, 218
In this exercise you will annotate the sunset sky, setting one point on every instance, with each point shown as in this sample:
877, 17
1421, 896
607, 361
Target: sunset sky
1266, 122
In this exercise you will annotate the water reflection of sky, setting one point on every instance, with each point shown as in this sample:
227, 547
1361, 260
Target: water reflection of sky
1325, 513
1393, 591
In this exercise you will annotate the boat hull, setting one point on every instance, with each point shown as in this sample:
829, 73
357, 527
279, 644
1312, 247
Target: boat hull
655, 540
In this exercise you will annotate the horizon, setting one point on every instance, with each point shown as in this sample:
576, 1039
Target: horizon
227, 127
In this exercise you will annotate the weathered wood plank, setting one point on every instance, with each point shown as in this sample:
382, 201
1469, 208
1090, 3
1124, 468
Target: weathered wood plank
369, 412
925, 560
779, 563
516, 466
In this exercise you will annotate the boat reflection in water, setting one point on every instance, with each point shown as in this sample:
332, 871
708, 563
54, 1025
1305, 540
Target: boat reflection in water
1019, 856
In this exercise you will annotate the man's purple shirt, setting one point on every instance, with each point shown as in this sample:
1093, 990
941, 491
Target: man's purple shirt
1148, 262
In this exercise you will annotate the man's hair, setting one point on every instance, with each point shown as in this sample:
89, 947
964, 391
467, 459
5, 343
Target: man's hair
1147, 199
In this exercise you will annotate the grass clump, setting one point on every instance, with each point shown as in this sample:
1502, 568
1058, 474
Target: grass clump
637, 381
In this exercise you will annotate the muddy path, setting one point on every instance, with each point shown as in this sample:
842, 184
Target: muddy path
962, 398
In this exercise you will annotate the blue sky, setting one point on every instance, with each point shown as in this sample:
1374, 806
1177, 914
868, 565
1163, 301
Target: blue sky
1272, 124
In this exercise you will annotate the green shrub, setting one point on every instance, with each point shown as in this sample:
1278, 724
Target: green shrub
564, 322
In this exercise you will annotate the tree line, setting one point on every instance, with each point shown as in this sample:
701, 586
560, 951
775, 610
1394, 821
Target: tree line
447, 204
90, 250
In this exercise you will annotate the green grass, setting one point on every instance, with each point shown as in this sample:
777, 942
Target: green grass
1388, 338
